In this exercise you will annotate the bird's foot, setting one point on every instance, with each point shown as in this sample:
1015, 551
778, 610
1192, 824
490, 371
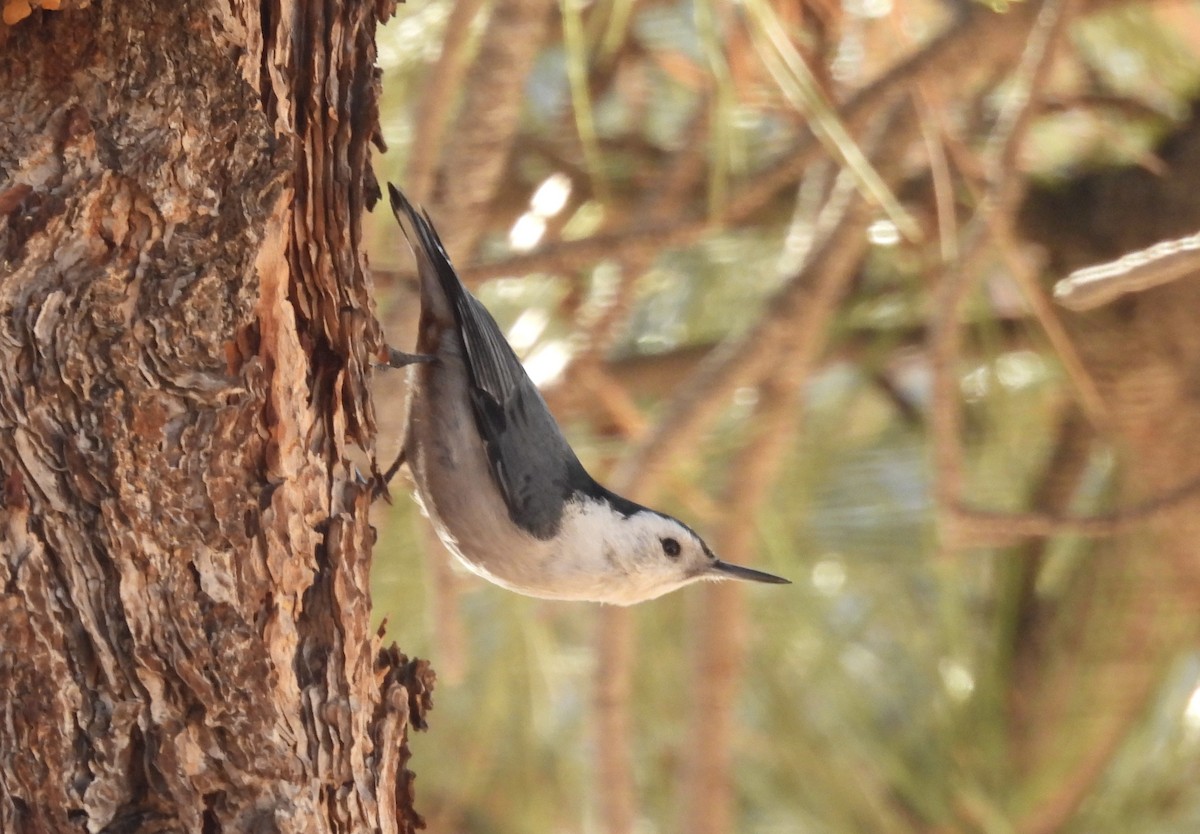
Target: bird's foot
392, 358
383, 479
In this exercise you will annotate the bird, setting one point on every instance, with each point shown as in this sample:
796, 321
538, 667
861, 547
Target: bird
497, 479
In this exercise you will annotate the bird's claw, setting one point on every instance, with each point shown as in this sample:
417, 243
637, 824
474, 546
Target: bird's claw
392, 358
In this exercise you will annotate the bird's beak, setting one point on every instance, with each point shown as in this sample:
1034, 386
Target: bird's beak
738, 572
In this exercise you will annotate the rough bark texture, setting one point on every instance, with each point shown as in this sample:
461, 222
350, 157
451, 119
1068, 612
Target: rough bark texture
185, 334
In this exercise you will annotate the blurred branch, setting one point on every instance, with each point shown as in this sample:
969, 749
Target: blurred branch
1043, 310
1126, 107
614, 640
976, 33
1025, 614
1055, 814
995, 211
610, 708
1170, 260
666, 197
803, 306
717, 633
807, 304
799, 86
447, 629
569, 256
576, 49
983, 528
970, 41
477, 148
438, 96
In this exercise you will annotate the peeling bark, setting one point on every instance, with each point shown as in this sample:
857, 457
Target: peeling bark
186, 326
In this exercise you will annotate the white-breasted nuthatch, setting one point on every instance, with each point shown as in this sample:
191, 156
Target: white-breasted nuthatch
496, 477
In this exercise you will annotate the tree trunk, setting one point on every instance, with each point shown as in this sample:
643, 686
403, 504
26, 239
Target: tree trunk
186, 330
1085, 672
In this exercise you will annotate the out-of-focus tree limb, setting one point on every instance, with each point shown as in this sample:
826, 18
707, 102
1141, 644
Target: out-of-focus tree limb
982, 528
438, 96
794, 327
611, 696
1093, 286
977, 33
614, 638
970, 45
476, 149
718, 630
999, 201
803, 305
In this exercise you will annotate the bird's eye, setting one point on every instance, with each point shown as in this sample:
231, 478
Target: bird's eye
670, 547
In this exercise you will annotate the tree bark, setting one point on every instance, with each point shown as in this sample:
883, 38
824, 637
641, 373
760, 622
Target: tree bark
1088, 671
186, 330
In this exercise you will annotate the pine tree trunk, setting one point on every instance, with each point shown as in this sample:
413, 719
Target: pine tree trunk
1092, 654
186, 332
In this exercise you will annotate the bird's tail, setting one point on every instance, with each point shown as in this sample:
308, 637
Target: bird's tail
441, 289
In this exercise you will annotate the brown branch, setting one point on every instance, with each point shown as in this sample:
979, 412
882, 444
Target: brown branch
438, 97
1125, 107
614, 641
1043, 311
999, 200
804, 305
1094, 286
984, 528
795, 322
717, 633
477, 148
569, 256
1028, 639
611, 697
975, 34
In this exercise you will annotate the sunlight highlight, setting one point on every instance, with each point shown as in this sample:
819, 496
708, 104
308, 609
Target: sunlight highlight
828, 577
957, 679
1191, 713
527, 328
883, 233
546, 364
551, 196
527, 232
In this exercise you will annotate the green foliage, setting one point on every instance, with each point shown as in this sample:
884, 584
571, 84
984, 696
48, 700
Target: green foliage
879, 688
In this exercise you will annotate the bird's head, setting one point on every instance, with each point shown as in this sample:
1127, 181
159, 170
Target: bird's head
653, 554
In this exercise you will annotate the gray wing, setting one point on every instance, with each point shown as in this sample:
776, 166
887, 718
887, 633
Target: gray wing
534, 466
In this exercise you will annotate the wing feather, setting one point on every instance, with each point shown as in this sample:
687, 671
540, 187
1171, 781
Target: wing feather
533, 465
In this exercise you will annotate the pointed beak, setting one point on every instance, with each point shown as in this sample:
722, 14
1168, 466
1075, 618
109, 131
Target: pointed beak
725, 569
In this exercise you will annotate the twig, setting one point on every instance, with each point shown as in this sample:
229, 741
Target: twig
477, 147
1127, 108
984, 528
973, 33
804, 305
437, 100
1089, 288
801, 309
569, 256
1043, 311
611, 693
1001, 196
716, 633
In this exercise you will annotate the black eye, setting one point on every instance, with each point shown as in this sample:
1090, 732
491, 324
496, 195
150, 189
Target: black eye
670, 547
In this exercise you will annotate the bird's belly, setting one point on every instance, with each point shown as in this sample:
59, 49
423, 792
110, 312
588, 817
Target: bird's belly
456, 488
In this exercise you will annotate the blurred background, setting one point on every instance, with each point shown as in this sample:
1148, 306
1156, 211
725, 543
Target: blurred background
802, 272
